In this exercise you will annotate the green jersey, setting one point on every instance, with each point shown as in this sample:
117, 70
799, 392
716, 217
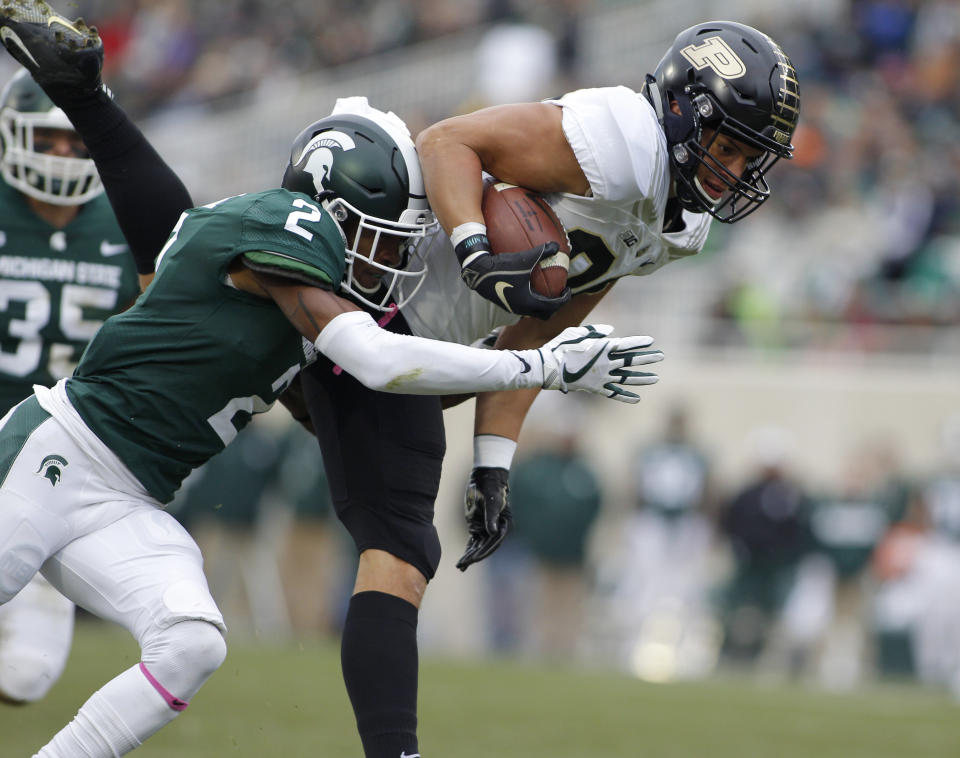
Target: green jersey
168, 383
57, 286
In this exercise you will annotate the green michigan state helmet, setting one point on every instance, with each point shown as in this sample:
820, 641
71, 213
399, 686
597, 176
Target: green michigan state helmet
360, 164
60, 180
736, 81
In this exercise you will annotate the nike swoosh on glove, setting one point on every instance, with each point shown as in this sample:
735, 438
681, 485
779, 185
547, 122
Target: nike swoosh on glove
586, 358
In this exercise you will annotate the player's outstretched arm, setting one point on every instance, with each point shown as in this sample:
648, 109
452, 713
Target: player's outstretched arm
581, 358
65, 58
498, 419
486, 502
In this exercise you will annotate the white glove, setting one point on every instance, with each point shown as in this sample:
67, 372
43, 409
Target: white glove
585, 358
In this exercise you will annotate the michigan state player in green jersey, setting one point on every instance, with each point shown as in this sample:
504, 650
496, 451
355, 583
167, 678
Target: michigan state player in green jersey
195, 315
64, 268
64, 264
246, 292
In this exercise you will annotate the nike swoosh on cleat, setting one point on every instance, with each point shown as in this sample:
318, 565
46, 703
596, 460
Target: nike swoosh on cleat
8, 35
108, 249
500, 288
409, 755
63, 22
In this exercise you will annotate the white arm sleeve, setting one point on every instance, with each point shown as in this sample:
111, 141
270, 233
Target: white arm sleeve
389, 362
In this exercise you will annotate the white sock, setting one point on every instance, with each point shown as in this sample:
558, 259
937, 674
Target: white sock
116, 719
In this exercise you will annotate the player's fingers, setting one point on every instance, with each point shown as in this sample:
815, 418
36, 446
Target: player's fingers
635, 357
487, 547
467, 558
632, 344
618, 393
480, 548
633, 341
548, 249
626, 376
524, 260
491, 518
550, 304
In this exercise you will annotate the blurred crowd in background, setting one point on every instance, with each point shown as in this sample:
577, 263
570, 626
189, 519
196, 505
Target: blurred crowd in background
872, 195
858, 250
837, 587
863, 230
163, 53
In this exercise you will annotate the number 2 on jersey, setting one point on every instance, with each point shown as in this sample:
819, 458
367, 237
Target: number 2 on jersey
294, 218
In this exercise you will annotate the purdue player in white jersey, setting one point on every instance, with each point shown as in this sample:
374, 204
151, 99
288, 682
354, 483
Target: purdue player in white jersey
615, 231
635, 177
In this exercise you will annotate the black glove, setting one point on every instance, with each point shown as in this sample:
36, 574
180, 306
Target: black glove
505, 279
487, 508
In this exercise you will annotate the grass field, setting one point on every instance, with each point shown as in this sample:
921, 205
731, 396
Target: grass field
270, 702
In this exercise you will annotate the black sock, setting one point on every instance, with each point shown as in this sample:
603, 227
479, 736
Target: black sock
378, 654
146, 195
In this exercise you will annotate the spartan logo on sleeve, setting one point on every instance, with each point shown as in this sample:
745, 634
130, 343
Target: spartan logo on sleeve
716, 54
52, 468
317, 157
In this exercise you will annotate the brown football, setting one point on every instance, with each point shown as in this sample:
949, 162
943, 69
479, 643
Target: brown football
518, 219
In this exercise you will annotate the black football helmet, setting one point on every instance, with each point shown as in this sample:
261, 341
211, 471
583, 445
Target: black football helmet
360, 164
736, 81
54, 179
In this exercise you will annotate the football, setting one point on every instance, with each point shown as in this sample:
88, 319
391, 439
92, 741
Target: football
518, 219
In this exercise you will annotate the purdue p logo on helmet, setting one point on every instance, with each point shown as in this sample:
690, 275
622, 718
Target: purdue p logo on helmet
736, 81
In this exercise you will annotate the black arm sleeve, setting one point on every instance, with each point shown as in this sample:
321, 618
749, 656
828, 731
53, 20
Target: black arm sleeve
146, 195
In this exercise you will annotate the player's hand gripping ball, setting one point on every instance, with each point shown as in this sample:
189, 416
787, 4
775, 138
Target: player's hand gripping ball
520, 219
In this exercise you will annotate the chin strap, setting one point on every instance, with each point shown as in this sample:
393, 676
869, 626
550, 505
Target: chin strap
652, 92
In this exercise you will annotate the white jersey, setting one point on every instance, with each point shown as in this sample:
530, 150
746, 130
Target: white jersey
615, 231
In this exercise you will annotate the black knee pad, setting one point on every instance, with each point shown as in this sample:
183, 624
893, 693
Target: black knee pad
416, 543
383, 455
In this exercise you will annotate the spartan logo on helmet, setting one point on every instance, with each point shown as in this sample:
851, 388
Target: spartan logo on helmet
317, 157
360, 164
52, 468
